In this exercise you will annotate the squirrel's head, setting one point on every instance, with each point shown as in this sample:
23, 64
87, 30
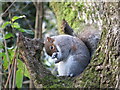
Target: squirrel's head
50, 46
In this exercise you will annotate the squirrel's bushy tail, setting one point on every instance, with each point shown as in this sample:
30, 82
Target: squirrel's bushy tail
90, 35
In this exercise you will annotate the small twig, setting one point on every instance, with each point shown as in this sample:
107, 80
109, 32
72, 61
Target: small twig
31, 84
9, 7
6, 51
8, 78
10, 72
14, 74
35, 3
26, 82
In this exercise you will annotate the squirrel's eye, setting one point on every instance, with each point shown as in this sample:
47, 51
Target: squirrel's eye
51, 47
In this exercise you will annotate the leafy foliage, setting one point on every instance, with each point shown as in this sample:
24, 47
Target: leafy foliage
21, 18
21, 68
22, 71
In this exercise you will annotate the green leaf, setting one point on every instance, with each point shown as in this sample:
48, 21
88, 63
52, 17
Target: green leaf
21, 30
1, 43
17, 17
1, 54
11, 53
26, 73
20, 64
9, 35
15, 25
1, 46
5, 24
19, 78
5, 61
28, 31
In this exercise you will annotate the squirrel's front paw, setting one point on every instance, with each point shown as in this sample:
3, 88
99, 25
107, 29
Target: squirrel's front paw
54, 55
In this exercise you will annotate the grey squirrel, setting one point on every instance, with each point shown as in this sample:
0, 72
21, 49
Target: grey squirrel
72, 53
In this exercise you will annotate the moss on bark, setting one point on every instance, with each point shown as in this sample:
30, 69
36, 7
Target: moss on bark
103, 70
70, 12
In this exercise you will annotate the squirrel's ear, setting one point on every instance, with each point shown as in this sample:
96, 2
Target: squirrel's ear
49, 39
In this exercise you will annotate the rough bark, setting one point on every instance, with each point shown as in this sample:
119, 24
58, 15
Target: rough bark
38, 26
29, 50
104, 67
103, 71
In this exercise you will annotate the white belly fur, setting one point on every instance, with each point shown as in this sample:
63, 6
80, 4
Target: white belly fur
64, 66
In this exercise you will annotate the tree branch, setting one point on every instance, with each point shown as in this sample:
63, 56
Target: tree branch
29, 50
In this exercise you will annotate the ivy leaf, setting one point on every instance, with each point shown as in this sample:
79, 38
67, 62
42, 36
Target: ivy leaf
5, 24
17, 17
19, 78
9, 35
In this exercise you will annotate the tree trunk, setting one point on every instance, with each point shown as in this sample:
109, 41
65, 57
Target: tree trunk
103, 70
